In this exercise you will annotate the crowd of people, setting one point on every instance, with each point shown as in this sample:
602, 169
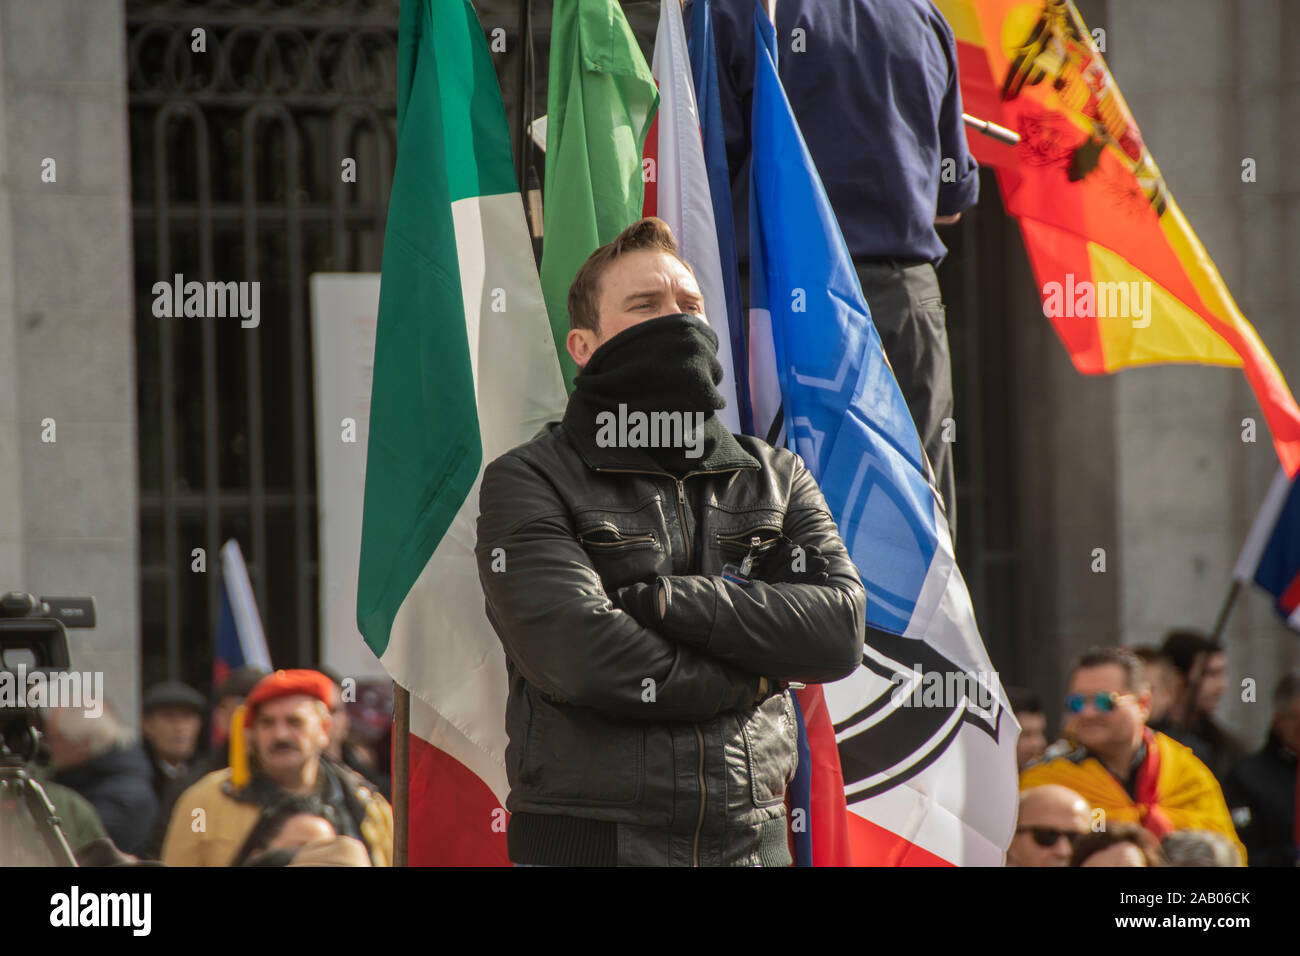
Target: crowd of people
1145, 775
283, 784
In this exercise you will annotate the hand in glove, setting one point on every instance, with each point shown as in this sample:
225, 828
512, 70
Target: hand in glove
788, 563
641, 600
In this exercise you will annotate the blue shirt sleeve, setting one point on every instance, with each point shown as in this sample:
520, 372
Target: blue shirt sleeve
959, 181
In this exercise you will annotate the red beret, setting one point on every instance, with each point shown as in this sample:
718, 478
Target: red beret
286, 684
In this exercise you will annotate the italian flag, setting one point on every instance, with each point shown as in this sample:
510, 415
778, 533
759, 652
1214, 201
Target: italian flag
465, 369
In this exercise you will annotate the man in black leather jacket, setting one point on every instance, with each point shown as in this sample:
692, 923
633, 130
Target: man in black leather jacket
656, 582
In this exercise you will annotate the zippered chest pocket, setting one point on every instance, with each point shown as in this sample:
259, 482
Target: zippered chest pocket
739, 540
610, 539
624, 546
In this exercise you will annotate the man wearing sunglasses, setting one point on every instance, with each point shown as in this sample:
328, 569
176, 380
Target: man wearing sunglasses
1118, 764
1052, 819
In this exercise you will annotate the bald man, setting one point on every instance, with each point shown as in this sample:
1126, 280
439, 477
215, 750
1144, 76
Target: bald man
1052, 818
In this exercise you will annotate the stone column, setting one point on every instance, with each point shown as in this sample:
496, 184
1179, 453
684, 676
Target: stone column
68, 507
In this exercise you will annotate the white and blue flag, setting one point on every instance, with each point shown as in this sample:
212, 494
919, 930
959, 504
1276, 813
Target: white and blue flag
935, 768
240, 639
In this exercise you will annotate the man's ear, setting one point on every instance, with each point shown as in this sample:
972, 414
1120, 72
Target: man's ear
581, 343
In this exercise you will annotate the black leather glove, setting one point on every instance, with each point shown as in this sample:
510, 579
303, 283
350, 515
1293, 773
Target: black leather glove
641, 600
779, 565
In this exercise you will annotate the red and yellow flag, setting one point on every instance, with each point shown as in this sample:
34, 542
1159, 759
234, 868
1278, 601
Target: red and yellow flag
1123, 276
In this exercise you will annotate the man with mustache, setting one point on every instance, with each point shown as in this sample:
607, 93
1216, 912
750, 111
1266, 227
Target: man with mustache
284, 723
656, 582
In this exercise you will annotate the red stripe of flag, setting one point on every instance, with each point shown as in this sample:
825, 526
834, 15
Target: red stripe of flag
1289, 599
875, 846
650, 205
460, 822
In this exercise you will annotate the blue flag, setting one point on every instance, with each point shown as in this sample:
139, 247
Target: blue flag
939, 773
704, 73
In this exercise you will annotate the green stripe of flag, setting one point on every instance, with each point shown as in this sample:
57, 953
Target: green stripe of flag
425, 451
600, 102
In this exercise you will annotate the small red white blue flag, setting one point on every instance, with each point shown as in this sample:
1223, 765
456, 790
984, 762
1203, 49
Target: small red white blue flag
1271, 555
240, 639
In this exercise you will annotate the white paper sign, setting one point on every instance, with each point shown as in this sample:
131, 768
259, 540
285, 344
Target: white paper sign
344, 311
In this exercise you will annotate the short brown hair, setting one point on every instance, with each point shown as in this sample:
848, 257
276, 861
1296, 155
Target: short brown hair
584, 293
1099, 840
1130, 663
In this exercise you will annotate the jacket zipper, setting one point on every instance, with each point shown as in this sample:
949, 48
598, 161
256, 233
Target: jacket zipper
681, 493
740, 540
623, 541
681, 514
704, 793
686, 537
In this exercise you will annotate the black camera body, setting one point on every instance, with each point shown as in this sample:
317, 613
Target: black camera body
33, 636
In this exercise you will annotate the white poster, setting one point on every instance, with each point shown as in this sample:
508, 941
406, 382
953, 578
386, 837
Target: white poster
344, 312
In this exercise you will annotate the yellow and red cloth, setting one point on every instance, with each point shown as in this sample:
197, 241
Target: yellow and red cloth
1173, 790
1094, 208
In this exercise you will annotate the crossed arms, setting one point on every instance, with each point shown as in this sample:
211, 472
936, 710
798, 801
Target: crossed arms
574, 644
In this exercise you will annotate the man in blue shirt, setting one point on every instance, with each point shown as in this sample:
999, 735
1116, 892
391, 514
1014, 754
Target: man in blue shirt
874, 87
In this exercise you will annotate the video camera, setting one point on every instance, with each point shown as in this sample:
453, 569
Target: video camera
33, 638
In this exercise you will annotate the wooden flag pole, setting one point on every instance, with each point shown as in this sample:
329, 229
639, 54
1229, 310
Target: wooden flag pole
401, 772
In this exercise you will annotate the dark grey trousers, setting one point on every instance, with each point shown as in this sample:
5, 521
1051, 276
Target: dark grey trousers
909, 315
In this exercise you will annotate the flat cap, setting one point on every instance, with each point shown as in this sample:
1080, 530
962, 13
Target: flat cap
171, 693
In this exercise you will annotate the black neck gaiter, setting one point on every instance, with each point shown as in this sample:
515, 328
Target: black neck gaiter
653, 387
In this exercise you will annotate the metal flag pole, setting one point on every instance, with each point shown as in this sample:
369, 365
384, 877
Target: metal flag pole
526, 173
991, 130
522, 155
1225, 610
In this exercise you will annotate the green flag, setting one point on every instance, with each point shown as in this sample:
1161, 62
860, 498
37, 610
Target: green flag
600, 103
464, 370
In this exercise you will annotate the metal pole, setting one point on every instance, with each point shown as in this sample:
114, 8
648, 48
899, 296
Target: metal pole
524, 153
992, 130
1224, 611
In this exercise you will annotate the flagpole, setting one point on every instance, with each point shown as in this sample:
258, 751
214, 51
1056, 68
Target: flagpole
530, 188
991, 130
401, 772
1226, 609
525, 141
